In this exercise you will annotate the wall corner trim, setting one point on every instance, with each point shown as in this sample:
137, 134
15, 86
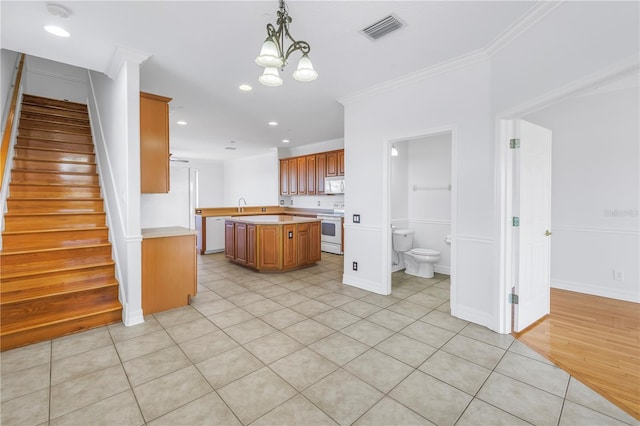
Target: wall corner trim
123, 54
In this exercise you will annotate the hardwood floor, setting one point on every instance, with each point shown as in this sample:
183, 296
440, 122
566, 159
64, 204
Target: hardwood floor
596, 340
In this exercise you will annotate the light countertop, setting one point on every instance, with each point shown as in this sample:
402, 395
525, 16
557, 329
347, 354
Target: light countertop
272, 219
170, 231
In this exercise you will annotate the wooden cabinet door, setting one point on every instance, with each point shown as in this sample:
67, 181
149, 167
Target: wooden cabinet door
321, 172
289, 249
341, 162
269, 246
293, 176
302, 175
168, 272
229, 240
154, 143
284, 177
252, 241
314, 242
332, 163
241, 243
302, 235
311, 174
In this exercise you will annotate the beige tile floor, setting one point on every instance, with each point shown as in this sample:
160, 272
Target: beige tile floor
297, 348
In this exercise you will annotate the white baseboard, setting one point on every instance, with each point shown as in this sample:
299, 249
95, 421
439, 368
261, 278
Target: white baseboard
132, 316
595, 290
373, 286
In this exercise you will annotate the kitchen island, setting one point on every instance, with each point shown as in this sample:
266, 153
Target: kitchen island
272, 243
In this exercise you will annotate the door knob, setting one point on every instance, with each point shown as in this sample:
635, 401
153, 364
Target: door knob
547, 233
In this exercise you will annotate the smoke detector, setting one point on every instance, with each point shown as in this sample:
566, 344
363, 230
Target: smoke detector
58, 10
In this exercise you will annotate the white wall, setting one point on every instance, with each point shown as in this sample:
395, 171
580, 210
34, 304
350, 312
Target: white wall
171, 209
256, 179
55, 80
8, 62
210, 183
595, 190
424, 162
458, 99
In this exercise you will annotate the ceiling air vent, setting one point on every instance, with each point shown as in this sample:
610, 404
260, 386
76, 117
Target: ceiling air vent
382, 27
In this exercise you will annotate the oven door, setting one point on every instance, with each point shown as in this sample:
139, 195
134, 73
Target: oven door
331, 238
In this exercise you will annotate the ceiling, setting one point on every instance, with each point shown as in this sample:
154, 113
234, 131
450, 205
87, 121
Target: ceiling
201, 51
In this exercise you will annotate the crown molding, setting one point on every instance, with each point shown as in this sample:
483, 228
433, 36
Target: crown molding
441, 68
123, 54
622, 69
522, 25
526, 21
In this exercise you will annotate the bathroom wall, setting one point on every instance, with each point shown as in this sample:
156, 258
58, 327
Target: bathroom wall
421, 200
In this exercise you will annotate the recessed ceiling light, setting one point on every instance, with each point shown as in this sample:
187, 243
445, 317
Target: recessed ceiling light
285, 140
272, 123
57, 31
181, 122
245, 88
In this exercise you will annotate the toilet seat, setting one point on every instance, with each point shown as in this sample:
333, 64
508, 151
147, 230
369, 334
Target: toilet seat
424, 252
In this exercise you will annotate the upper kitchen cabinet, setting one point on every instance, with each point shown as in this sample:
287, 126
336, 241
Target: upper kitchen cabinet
335, 163
305, 175
154, 143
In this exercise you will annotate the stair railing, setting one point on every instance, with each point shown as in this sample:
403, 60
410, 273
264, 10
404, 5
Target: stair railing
8, 136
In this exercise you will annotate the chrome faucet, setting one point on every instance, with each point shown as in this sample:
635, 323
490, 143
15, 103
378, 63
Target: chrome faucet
240, 209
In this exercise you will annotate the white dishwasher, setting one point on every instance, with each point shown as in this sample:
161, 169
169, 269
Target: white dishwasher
215, 234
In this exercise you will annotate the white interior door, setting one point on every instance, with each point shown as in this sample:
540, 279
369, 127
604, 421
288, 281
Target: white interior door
532, 242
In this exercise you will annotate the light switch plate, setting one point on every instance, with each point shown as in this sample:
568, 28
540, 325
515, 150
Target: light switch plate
356, 218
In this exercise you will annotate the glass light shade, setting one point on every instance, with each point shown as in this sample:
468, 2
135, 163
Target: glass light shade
269, 55
305, 71
270, 77
60, 32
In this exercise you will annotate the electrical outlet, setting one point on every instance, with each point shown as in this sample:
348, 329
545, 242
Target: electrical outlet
291, 202
355, 266
356, 218
318, 203
618, 275
282, 202
264, 209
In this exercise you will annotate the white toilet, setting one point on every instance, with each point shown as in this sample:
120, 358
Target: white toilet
418, 261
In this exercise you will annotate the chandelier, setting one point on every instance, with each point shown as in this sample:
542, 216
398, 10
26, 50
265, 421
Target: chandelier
274, 55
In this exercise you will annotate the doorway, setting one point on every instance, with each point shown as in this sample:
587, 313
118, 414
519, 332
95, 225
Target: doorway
420, 194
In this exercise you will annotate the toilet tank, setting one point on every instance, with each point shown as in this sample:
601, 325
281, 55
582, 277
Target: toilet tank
402, 240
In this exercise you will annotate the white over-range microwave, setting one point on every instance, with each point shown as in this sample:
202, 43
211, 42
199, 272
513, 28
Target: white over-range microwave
334, 185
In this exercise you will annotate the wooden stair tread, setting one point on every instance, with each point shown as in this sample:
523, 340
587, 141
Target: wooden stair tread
55, 150
51, 214
78, 313
48, 139
54, 131
61, 199
40, 100
55, 172
60, 185
56, 270
51, 249
44, 118
39, 160
31, 293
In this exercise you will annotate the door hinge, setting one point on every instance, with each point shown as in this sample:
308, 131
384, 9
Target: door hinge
515, 221
513, 299
514, 143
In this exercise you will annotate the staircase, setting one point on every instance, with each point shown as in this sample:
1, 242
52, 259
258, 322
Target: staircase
56, 270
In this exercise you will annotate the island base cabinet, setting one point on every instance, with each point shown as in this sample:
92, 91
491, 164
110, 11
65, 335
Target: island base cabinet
272, 248
168, 272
